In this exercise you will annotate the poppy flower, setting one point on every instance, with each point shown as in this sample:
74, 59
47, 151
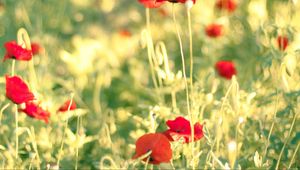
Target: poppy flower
282, 42
17, 90
66, 106
125, 33
229, 5
181, 128
175, 1
214, 30
158, 144
225, 69
15, 51
35, 111
151, 3
36, 48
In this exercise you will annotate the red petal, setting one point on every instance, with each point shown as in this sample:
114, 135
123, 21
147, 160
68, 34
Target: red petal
66, 106
151, 3
214, 30
158, 144
282, 42
225, 69
36, 48
35, 111
14, 51
17, 90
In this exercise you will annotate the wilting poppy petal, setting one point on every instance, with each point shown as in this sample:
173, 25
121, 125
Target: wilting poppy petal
151, 3
17, 90
158, 144
180, 128
214, 30
225, 69
229, 5
175, 1
66, 106
282, 42
36, 48
35, 111
15, 51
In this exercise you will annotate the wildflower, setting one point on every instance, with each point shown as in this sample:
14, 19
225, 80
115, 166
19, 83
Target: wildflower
15, 51
229, 5
36, 48
125, 33
282, 42
181, 128
225, 69
35, 111
159, 146
175, 1
151, 3
66, 105
17, 90
214, 30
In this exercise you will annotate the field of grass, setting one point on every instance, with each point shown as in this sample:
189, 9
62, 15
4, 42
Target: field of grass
114, 84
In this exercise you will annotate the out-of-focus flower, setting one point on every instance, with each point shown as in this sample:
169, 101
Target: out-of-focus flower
159, 146
181, 128
214, 30
229, 5
175, 1
151, 3
17, 90
282, 42
33, 110
226, 69
66, 105
15, 51
36, 48
125, 33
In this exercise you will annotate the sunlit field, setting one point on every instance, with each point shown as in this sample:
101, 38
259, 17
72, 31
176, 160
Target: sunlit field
149, 84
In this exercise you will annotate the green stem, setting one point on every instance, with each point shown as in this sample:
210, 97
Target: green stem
191, 48
186, 85
17, 135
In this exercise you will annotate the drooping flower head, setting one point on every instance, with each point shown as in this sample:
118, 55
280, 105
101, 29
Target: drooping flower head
15, 51
214, 30
282, 42
180, 128
159, 146
151, 3
176, 1
226, 69
33, 110
66, 105
228, 5
17, 90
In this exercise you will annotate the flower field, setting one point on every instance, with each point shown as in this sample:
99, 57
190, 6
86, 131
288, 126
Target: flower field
149, 84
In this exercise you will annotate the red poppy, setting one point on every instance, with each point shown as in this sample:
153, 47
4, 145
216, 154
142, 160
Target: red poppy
151, 3
229, 5
17, 90
15, 51
282, 42
35, 111
66, 105
214, 30
36, 48
125, 33
158, 144
225, 69
175, 1
181, 128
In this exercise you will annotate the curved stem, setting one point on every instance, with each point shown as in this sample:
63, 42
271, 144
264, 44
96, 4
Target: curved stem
186, 85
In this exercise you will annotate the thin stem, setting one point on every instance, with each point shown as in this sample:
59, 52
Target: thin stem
96, 95
286, 140
294, 155
191, 48
77, 139
64, 133
17, 135
186, 84
13, 65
